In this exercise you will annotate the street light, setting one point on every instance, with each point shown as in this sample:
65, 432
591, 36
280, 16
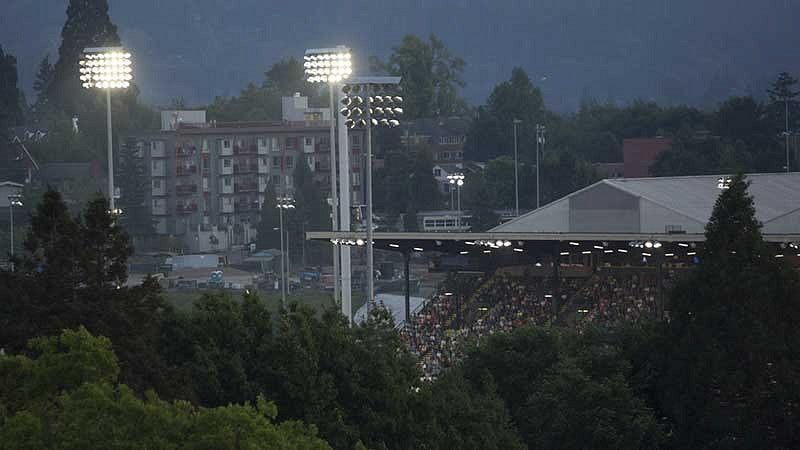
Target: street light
106, 68
13, 200
382, 92
284, 203
540, 140
330, 65
457, 179
516, 174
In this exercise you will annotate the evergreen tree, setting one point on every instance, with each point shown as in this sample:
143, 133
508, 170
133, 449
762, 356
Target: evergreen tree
44, 78
480, 201
105, 247
133, 184
88, 25
267, 235
731, 382
10, 106
311, 212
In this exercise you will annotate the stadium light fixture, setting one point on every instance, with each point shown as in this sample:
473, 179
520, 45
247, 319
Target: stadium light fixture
366, 91
456, 179
646, 254
608, 251
519, 250
598, 247
418, 249
394, 245
463, 253
564, 253
669, 255
779, 255
487, 251
106, 68
538, 264
574, 243
622, 250
682, 244
724, 182
691, 253
330, 65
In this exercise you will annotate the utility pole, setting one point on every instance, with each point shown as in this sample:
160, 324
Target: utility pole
516, 171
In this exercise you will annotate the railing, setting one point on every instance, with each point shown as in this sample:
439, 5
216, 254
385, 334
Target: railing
186, 189
185, 151
245, 187
184, 170
251, 149
186, 209
245, 168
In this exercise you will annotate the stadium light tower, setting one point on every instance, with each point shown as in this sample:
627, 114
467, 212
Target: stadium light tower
516, 171
107, 68
284, 203
540, 141
330, 65
457, 179
13, 200
371, 102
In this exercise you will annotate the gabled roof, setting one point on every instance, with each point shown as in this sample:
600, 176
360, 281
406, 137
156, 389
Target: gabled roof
775, 195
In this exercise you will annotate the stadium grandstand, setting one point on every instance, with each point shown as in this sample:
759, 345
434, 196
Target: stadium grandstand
603, 255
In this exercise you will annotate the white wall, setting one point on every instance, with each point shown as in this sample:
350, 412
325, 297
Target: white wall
653, 219
789, 223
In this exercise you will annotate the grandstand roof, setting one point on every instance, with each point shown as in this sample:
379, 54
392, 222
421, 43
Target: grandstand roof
661, 205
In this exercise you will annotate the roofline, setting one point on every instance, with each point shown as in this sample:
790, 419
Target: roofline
780, 216
655, 202
422, 236
683, 177
564, 198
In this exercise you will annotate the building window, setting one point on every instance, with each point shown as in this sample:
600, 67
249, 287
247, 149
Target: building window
156, 184
227, 181
276, 180
356, 151
459, 155
226, 163
289, 162
291, 143
356, 179
444, 155
437, 172
155, 165
355, 139
309, 141
446, 188
226, 143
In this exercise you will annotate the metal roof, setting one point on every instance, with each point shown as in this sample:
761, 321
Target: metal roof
774, 194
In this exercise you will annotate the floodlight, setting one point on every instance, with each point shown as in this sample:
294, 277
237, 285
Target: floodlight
327, 64
105, 68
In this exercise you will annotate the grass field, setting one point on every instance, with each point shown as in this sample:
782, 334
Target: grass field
313, 298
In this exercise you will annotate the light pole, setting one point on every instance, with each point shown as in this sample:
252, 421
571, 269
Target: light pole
540, 140
380, 92
106, 68
330, 65
516, 171
282, 204
457, 180
13, 200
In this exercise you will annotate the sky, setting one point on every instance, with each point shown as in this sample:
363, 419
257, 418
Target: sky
671, 51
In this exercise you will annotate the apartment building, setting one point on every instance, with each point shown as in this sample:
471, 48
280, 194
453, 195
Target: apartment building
208, 179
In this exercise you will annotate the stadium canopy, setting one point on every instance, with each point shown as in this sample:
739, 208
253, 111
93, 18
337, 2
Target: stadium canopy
668, 209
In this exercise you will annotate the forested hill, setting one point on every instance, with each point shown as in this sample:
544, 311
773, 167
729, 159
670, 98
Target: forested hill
671, 51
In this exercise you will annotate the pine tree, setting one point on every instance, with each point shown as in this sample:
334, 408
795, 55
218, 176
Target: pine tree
105, 247
268, 237
44, 78
132, 181
88, 25
732, 378
311, 210
10, 107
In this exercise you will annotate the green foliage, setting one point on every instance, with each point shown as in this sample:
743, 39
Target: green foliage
481, 199
105, 248
431, 77
283, 79
405, 183
268, 235
67, 398
10, 100
451, 413
731, 382
44, 78
492, 134
132, 180
564, 390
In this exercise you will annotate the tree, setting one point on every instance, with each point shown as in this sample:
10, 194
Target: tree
133, 184
44, 78
68, 397
480, 201
283, 79
9, 92
105, 248
491, 134
268, 234
88, 25
431, 77
407, 182
311, 212
782, 93
730, 381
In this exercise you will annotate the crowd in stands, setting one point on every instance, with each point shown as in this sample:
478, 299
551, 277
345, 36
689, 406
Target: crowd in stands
469, 309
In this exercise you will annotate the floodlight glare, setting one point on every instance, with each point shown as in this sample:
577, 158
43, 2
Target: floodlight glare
105, 68
327, 65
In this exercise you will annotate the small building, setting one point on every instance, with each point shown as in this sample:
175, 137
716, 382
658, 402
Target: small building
445, 136
640, 154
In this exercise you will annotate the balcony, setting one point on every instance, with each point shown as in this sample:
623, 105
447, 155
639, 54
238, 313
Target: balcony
245, 168
183, 171
183, 152
245, 150
186, 209
246, 187
186, 189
